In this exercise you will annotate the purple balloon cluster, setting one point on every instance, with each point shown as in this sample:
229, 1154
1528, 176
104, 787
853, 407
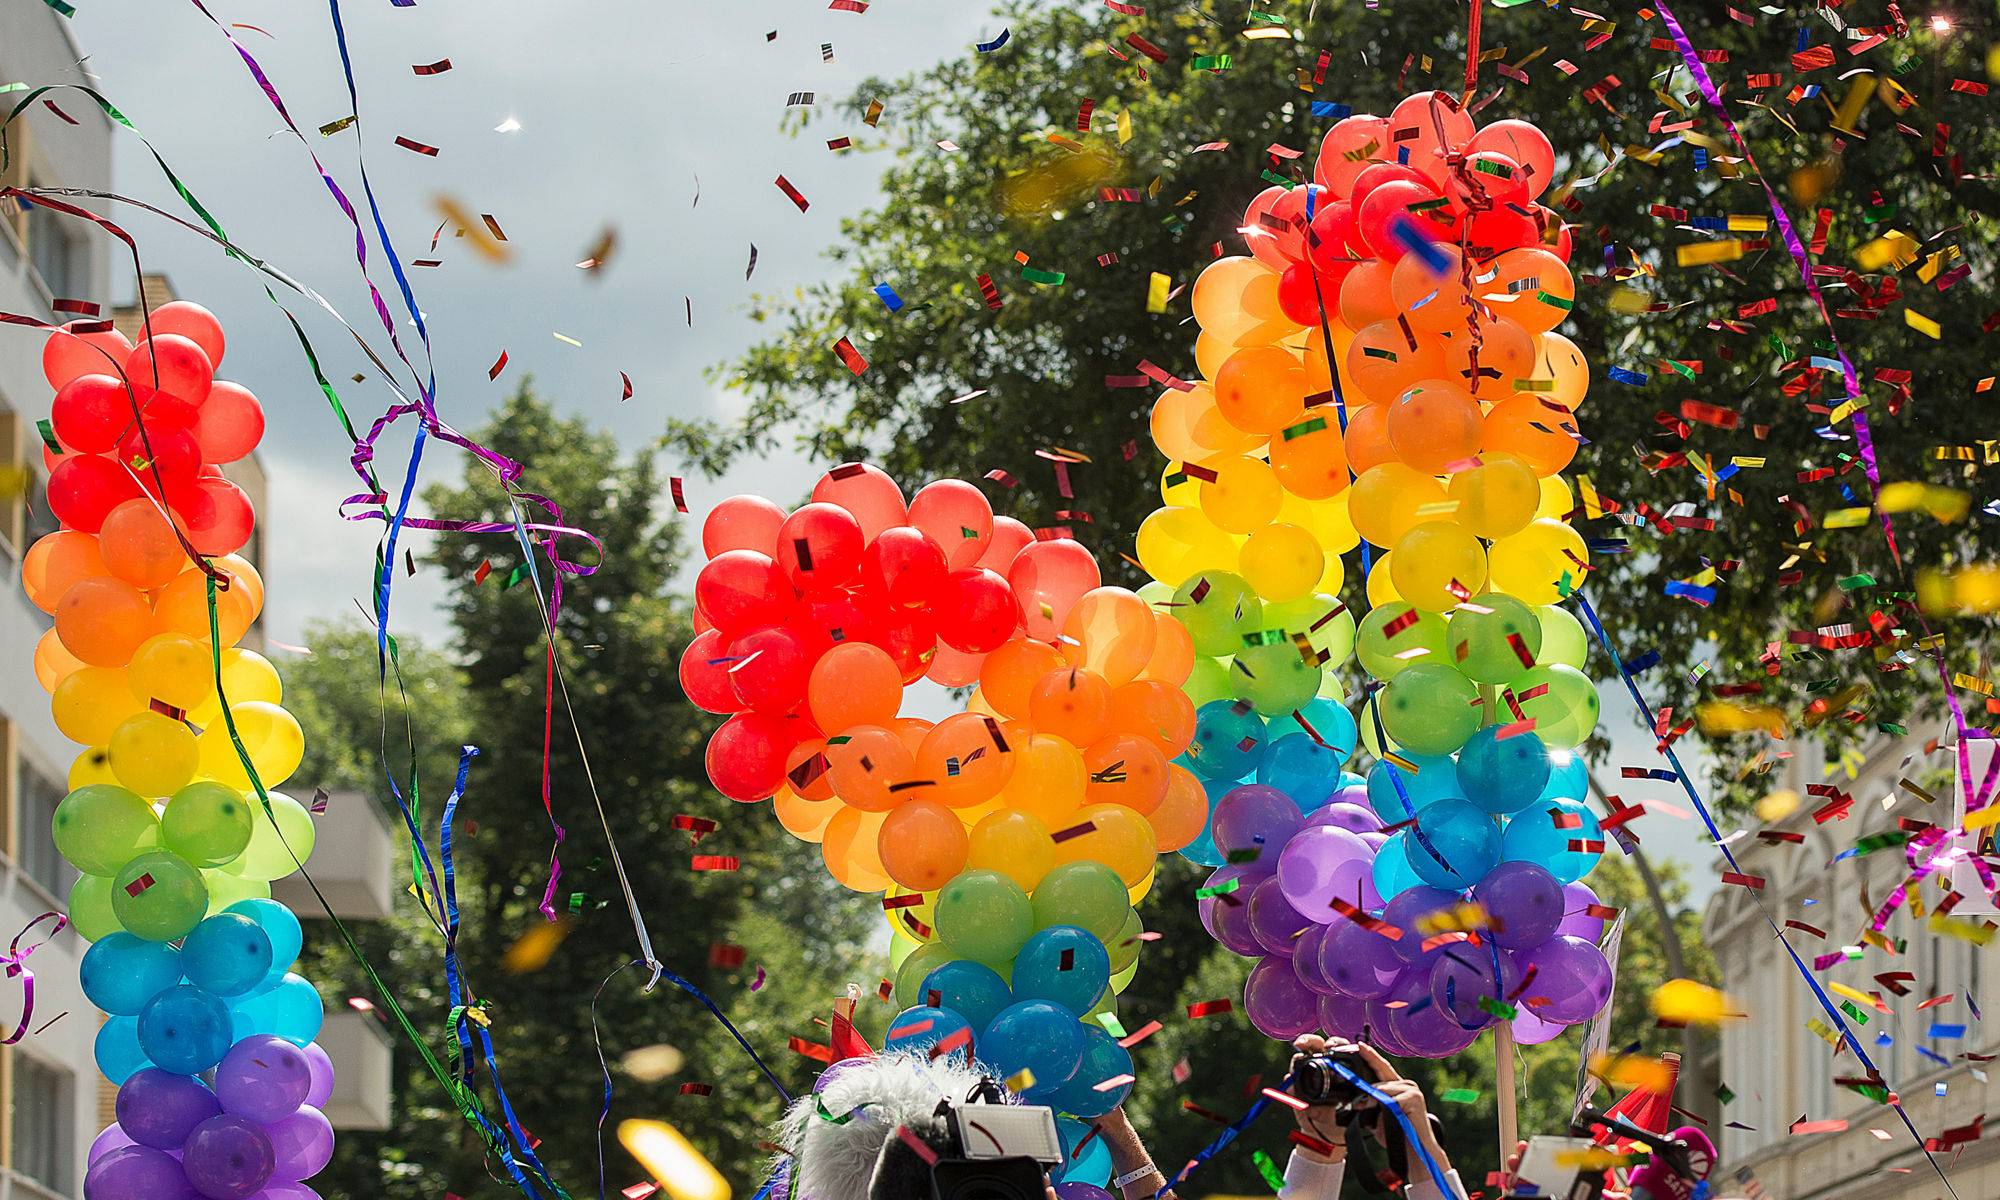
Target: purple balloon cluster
255, 1132
1420, 974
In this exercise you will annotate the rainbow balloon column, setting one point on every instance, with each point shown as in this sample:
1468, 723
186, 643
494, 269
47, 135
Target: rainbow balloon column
1438, 896
1012, 839
209, 1037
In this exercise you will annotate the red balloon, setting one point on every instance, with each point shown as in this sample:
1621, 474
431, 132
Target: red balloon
1290, 208
819, 547
1375, 215
704, 680
741, 523
163, 457
958, 518
1489, 180
90, 412
905, 566
1498, 231
1377, 174
978, 611
910, 636
844, 616
229, 424
1301, 303
1330, 244
1554, 234
746, 756
224, 523
1010, 537
84, 488
742, 589
65, 356
193, 322
769, 668
172, 364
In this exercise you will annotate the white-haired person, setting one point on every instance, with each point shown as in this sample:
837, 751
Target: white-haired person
1315, 1174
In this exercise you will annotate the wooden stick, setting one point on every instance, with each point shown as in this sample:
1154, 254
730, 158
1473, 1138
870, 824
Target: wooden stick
1503, 1072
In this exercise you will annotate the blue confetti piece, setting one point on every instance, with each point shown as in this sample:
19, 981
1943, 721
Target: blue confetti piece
890, 299
1700, 159
1939, 1059
1805, 39
1884, 1041
1327, 108
1720, 224
1945, 1033
1727, 472
1623, 375
1940, 1087
1824, 363
1646, 661
1414, 240
1703, 596
1606, 545
996, 43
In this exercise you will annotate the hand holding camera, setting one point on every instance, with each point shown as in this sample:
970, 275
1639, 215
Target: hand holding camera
1334, 1102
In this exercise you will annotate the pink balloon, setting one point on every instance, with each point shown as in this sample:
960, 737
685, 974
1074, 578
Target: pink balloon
742, 523
956, 516
1010, 537
865, 491
1048, 579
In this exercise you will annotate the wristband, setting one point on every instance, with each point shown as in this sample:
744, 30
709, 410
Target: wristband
1135, 1176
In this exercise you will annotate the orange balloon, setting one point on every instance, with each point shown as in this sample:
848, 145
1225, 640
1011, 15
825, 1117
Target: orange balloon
849, 850
1435, 424
804, 819
1173, 651
1113, 634
139, 545
1183, 814
1510, 428
244, 575
867, 765
1155, 710
1543, 302
1368, 443
1364, 295
1118, 837
56, 561
921, 845
1312, 463
103, 619
1382, 364
1010, 673
963, 761
1125, 769
1431, 302
1261, 389
1048, 780
855, 683
182, 605
53, 662
805, 772
1071, 703
1187, 426
912, 731
1507, 356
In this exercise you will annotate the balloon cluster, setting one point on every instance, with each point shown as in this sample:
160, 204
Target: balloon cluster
1384, 369
1011, 839
210, 1036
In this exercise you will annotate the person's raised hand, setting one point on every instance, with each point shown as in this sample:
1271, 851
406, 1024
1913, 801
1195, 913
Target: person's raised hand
1317, 1121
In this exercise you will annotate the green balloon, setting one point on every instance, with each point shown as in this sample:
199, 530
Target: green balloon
90, 912
1564, 642
206, 823
159, 897
1218, 608
1155, 593
1430, 708
1086, 894
1483, 643
1107, 1003
1208, 680
225, 889
1122, 979
100, 827
1565, 714
1274, 678
919, 963
1124, 945
983, 916
270, 854
1377, 651
1325, 621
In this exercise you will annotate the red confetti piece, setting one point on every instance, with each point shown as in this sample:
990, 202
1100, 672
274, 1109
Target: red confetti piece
915, 1143
850, 356
437, 68
680, 498
419, 147
812, 1050
1139, 1035
628, 385
145, 881
951, 1042
696, 1089
1286, 1099
785, 186
1209, 1008
1753, 882
1074, 831
725, 956
485, 569
1146, 48
499, 365
715, 862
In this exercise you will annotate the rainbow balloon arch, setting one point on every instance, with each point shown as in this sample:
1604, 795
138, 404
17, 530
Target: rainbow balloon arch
169, 820
1436, 897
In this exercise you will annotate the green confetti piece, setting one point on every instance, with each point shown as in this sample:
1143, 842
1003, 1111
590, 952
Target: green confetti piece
48, 433
1891, 727
1881, 841
1488, 167
1305, 427
1566, 305
1856, 582
1722, 1093
65, 9
1681, 367
1111, 1024
1035, 275
1499, 1009
1220, 889
1176, 479
1378, 352
1212, 62
1848, 1007
1269, 1170
514, 576
1460, 1096
1424, 206
1265, 637
1267, 18
1273, 177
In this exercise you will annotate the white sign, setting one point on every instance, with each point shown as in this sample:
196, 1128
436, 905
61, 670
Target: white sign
1597, 1038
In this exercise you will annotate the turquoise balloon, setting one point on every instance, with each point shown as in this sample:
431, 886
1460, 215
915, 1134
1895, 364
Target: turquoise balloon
120, 973
1302, 769
1093, 1166
1334, 724
292, 1011
117, 1049
1064, 965
1503, 775
923, 1027
1397, 795
1569, 776
185, 1030
1393, 873
973, 990
1537, 835
1454, 844
1203, 852
1103, 1059
281, 925
227, 954
1229, 740
1037, 1036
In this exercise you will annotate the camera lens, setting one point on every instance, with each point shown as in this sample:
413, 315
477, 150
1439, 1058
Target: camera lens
989, 1179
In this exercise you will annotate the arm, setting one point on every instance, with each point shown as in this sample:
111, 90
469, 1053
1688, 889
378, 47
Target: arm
1129, 1161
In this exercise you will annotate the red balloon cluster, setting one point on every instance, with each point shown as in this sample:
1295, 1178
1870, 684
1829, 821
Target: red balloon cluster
150, 420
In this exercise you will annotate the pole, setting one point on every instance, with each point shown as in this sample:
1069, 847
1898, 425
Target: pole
1503, 1033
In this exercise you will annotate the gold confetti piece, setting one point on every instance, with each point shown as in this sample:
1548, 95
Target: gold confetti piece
650, 1064
1700, 253
572, 341
1946, 505
333, 127
671, 1161
1124, 127
1922, 324
1156, 293
533, 949
1778, 805
474, 230
1721, 718
1973, 591
1846, 518
1686, 1002
1892, 248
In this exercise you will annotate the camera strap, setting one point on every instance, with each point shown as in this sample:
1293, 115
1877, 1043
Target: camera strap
1404, 1130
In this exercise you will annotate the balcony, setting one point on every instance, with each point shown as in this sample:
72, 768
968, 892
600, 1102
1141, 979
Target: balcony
353, 861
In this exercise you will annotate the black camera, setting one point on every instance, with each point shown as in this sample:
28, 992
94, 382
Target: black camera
978, 1149
1318, 1083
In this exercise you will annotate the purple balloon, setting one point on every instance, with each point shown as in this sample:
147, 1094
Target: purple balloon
1320, 863
287, 1191
1375, 838
1343, 1016
1277, 1003
1531, 1030
1384, 1031
1524, 904
1305, 958
228, 1158
110, 1138
1232, 923
159, 1108
1430, 1032
1354, 818
1576, 922
1081, 1191
1357, 962
1407, 909
1255, 817
1273, 920
1246, 875
263, 1078
1573, 975
1464, 974
303, 1143
137, 1173
322, 1075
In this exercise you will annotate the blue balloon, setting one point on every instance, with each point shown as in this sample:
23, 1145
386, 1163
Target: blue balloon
1569, 776
1038, 1036
185, 1030
1103, 1058
1302, 769
1537, 835
1349, 779
121, 972
1503, 775
1093, 1166
280, 924
924, 1026
117, 1049
292, 1011
973, 990
1203, 852
1435, 778
227, 954
1333, 723
1454, 844
1065, 965
1229, 741
1393, 873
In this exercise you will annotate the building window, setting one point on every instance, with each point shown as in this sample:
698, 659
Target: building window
43, 1124
39, 859
54, 252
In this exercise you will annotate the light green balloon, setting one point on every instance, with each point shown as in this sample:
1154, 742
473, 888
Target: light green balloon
1124, 945
1226, 610
159, 896
225, 889
90, 911
1107, 1003
921, 962
1565, 714
1086, 894
270, 854
1155, 593
100, 827
1207, 680
1564, 643
207, 823
1481, 643
1274, 678
1430, 708
900, 947
1325, 621
1377, 652
983, 916
1122, 980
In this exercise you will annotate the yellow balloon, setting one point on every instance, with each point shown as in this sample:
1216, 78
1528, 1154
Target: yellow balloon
1177, 487
1381, 583
1139, 890
1557, 500
92, 766
1437, 564
271, 736
1173, 544
1244, 494
1496, 498
1332, 525
1119, 838
90, 702
1385, 500
1560, 360
246, 675
153, 754
1014, 843
1534, 564
174, 669
1281, 562
1048, 780
1332, 575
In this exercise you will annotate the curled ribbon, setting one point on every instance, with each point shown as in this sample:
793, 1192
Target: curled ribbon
16, 960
